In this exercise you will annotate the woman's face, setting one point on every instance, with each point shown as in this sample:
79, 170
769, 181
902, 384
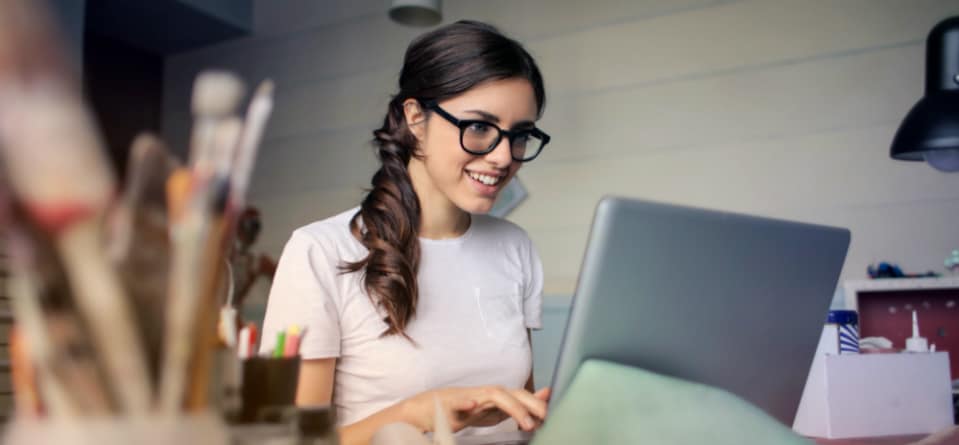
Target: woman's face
447, 174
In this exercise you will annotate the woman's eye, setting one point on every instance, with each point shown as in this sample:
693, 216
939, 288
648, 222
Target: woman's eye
478, 127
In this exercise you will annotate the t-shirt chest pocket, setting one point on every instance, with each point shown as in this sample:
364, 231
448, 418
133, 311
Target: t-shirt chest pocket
501, 311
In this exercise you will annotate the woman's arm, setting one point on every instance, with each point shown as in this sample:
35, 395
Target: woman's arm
544, 392
315, 387
360, 433
529, 382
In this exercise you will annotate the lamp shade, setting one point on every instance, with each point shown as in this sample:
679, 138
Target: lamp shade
930, 132
416, 12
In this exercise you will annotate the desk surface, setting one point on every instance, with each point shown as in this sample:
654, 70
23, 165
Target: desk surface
891, 440
949, 436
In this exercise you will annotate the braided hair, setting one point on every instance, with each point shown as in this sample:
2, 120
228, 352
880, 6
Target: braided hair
438, 65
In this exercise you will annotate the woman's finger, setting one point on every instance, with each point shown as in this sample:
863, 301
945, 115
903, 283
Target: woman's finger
533, 404
510, 405
458, 399
462, 403
543, 393
488, 417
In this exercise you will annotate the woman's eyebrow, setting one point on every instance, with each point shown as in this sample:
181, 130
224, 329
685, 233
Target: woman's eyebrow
485, 115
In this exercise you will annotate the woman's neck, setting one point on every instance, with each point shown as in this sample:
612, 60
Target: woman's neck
439, 217
442, 220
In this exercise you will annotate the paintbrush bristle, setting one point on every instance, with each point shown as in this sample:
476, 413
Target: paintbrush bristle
216, 93
265, 88
54, 156
259, 111
177, 191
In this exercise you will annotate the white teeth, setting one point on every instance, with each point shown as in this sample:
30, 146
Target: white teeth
485, 179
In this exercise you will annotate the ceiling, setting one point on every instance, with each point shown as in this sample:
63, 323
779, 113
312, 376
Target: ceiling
169, 26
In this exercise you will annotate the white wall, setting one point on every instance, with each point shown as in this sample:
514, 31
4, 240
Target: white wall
771, 107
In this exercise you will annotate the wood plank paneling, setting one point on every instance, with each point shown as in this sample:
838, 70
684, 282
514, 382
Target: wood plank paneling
783, 100
774, 107
729, 36
915, 234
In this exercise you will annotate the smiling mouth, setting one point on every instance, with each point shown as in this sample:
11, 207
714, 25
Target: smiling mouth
485, 179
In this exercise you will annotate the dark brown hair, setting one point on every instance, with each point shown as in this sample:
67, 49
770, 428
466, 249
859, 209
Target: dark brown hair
438, 65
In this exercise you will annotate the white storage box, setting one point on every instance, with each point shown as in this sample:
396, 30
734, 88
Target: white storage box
868, 395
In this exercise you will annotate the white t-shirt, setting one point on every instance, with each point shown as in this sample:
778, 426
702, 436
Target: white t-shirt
478, 294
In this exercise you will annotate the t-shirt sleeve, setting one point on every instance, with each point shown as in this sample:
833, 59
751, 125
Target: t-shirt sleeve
304, 293
533, 292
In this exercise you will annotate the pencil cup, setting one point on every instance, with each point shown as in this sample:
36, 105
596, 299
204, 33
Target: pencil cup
203, 428
314, 425
268, 388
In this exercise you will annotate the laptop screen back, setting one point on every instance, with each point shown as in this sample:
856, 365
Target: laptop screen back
733, 301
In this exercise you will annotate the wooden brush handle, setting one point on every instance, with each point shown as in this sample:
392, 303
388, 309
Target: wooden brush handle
106, 310
201, 362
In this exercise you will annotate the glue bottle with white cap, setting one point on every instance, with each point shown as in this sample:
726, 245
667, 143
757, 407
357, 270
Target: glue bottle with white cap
916, 343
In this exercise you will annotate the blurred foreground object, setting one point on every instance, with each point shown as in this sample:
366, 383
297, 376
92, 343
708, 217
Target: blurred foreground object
114, 291
612, 403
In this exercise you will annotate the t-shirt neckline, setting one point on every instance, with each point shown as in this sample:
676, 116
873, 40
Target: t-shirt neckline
457, 240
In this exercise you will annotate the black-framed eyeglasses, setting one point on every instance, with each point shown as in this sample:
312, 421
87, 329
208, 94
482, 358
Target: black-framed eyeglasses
479, 137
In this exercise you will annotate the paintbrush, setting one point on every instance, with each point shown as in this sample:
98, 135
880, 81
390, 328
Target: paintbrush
71, 382
25, 302
216, 95
57, 170
138, 241
143, 201
213, 279
74, 364
261, 106
56, 167
258, 113
29, 48
23, 378
188, 229
196, 236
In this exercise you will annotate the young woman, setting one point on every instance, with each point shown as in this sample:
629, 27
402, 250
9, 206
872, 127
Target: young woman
417, 295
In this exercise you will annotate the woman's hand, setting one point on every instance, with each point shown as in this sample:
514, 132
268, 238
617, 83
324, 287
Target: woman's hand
479, 406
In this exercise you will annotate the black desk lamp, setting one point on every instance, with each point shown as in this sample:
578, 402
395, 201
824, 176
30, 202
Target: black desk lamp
930, 132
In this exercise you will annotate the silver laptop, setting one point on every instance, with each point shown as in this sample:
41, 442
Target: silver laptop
733, 301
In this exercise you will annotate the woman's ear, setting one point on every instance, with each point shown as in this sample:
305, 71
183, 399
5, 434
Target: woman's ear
415, 118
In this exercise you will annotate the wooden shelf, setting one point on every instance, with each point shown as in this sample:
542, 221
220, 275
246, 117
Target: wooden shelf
852, 288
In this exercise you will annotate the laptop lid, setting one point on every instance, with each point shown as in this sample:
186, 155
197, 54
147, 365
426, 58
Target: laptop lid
732, 301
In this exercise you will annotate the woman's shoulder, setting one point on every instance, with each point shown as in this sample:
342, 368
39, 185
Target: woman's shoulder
328, 232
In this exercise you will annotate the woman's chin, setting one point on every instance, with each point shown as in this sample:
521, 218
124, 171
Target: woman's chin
479, 206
